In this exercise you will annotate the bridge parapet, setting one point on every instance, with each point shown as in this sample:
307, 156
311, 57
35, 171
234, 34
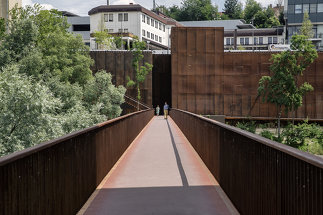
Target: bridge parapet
260, 176
57, 177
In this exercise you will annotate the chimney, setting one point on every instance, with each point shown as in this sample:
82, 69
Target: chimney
108, 2
154, 5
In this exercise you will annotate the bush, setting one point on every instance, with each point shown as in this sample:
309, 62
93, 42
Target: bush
247, 126
306, 137
269, 135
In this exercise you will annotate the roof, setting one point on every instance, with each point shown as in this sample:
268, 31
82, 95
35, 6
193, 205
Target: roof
131, 8
68, 14
254, 32
227, 24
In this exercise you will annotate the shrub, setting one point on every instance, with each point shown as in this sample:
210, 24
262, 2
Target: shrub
306, 137
247, 126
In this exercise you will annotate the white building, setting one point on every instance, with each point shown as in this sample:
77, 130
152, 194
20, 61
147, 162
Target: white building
239, 35
132, 20
253, 39
7, 5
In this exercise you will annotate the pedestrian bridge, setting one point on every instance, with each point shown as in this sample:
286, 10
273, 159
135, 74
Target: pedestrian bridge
144, 164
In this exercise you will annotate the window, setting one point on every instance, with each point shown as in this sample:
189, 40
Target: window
255, 40
120, 30
156, 24
148, 34
306, 8
106, 17
227, 41
241, 41
125, 17
148, 20
152, 36
298, 8
164, 28
110, 30
275, 40
291, 9
160, 26
126, 30
81, 27
261, 40
152, 22
143, 33
232, 41
120, 17
270, 40
143, 18
156, 37
246, 41
319, 8
160, 39
312, 8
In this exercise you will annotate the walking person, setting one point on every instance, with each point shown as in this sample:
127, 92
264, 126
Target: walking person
157, 110
166, 108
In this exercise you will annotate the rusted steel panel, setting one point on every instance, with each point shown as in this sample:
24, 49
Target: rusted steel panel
119, 64
258, 175
58, 177
194, 67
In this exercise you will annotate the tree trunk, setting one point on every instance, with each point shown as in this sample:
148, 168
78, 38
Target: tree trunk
138, 97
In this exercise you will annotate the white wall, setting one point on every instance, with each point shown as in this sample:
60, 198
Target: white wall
156, 31
134, 25
265, 39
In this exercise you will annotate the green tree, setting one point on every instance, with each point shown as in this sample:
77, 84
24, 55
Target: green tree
265, 19
45, 82
233, 9
27, 112
307, 26
140, 71
44, 34
2, 27
283, 88
251, 9
100, 90
191, 10
197, 10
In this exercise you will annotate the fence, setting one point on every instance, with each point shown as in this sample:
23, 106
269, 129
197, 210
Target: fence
57, 177
258, 175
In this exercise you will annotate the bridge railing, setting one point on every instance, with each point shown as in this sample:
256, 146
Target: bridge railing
57, 177
258, 175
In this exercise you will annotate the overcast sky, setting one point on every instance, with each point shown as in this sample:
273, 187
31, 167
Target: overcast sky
81, 7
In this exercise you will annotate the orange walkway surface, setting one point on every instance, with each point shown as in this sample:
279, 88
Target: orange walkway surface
160, 173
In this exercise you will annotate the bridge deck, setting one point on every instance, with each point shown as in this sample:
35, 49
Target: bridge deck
160, 173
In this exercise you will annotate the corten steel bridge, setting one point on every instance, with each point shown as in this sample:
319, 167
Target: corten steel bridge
110, 169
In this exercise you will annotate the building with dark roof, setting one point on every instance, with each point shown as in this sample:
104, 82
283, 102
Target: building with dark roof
132, 19
253, 39
238, 34
226, 24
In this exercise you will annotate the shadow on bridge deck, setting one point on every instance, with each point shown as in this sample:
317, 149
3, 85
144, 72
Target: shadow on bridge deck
160, 173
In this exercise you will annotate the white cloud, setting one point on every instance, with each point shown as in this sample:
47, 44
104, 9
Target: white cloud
121, 2
45, 6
